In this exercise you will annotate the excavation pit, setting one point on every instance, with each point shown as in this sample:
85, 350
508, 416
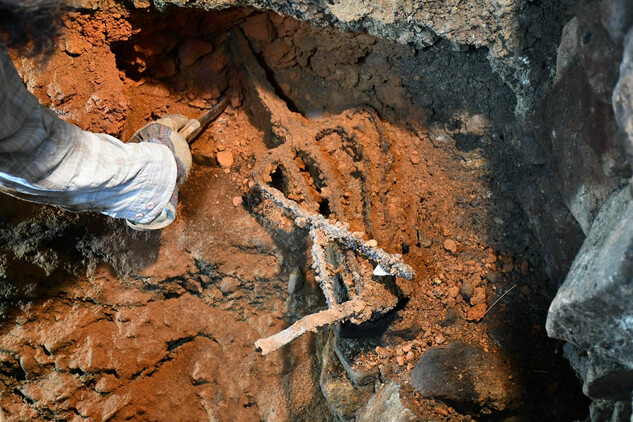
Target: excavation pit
397, 140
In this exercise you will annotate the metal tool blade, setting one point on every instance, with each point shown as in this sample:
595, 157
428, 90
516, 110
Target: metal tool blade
194, 126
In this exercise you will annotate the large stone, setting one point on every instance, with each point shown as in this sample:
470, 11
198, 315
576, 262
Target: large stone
593, 309
386, 406
579, 131
617, 17
606, 410
467, 378
341, 396
623, 94
603, 379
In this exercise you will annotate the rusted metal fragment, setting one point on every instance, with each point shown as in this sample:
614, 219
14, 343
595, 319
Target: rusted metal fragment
343, 261
336, 313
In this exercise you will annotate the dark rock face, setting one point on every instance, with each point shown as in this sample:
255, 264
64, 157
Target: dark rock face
468, 378
589, 135
593, 308
623, 95
580, 135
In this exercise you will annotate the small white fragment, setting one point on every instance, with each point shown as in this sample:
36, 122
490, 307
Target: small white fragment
380, 271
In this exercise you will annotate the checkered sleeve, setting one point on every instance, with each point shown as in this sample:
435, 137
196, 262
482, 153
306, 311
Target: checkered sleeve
44, 159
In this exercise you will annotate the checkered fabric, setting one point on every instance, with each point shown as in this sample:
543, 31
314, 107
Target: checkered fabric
44, 159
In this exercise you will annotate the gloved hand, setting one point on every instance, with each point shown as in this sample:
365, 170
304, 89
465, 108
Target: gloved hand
165, 131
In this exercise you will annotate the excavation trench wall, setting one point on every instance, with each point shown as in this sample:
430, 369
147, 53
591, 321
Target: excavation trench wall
479, 140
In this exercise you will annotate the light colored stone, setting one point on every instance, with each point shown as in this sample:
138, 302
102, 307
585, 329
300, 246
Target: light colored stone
225, 159
229, 285
450, 245
386, 405
295, 281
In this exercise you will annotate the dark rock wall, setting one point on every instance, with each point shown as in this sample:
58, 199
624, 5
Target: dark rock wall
592, 310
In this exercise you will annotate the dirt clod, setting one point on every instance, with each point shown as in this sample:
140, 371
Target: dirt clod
225, 159
450, 245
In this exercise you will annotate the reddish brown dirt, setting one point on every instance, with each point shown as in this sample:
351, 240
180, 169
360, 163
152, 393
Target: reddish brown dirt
162, 326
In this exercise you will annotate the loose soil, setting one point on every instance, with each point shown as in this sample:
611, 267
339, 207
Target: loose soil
104, 322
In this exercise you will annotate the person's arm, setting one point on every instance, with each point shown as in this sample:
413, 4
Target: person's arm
44, 159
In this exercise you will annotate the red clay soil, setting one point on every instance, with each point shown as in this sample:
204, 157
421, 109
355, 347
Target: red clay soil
162, 326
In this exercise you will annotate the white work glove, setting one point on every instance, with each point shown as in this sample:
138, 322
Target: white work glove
164, 131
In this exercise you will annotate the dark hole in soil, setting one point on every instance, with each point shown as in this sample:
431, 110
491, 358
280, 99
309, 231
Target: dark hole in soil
279, 181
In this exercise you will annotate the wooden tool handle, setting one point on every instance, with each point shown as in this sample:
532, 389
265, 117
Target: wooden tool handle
190, 130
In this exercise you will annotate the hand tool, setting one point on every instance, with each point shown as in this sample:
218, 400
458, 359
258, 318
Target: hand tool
194, 126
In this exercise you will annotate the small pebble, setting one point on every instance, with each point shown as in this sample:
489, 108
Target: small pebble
381, 351
229, 285
400, 360
192, 286
237, 201
453, 291
371, 243
441, 411
295, 281
426, 242
467, 290
525, 268
450, 245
